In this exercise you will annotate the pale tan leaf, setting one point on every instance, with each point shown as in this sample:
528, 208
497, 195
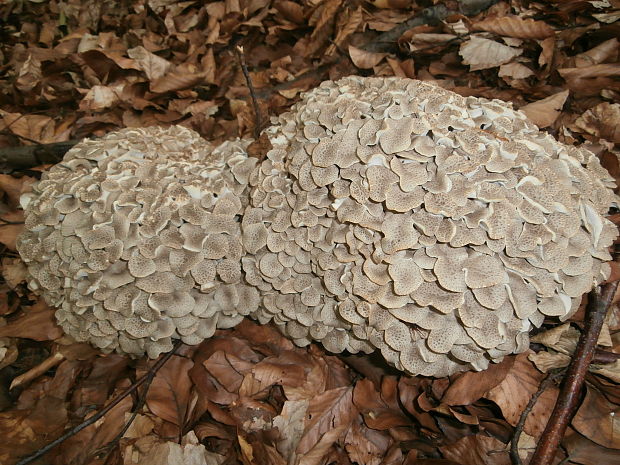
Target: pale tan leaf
290, 423
514, 26
480, 53
546, 361
39, 128
604, 51
153, 66
594, 71
515, 71
99, 98
601, 121
611, 370
364, 59
11, 225
562, 338
543, 113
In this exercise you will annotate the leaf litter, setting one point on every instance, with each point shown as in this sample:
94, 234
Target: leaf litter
82, 68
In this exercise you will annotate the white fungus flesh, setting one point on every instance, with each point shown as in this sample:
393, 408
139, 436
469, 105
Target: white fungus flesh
389, 214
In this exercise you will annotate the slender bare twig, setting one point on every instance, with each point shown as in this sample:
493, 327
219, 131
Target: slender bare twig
73, 431
570, 392
258, 125
514, 443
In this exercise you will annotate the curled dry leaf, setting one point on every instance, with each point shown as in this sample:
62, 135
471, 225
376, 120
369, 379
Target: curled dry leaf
99, 98
364, 59
585, 452
515, 71
480, 53
602, 121
514, 26
543, 113
598, 419
153, 66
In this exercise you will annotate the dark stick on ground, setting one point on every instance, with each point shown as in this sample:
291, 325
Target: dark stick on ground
514, 443
570, 391
258, 125
385, 42
28, 156
73, 431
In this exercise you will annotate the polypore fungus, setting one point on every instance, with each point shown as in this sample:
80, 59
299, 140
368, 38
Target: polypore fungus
136, 238
389, 214
436, 228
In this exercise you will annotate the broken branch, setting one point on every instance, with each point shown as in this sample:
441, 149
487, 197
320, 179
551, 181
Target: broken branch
570, 391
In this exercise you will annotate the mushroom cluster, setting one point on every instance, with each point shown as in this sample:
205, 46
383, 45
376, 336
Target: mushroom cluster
389, 214
135, 238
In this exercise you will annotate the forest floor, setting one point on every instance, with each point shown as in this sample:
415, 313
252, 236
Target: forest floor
77, 68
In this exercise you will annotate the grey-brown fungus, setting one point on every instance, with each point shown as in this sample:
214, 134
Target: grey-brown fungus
442, 228
389, 214
136, 239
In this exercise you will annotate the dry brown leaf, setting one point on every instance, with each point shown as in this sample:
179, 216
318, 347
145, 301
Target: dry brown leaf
468, 387
153, 66
585, 452
602, 121
377, 413
177, 81
562, 338
516, 390
329, 410
36, 322
169, 394
364, 59
605, 51
13, 187
39, 128
315, 455
480, 53
367, 446
589, 72
598, 420
543, 113
477, 450
11, 225
551, 360
29, 75
514, 26
220, 367
14, 271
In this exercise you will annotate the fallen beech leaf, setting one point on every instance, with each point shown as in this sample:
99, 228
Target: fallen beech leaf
543, 113
516, 390
290, 423
514, 26
515, 71
36, 322
594, 71
99, 98
13, 187
14, 271
477, 450
176, 81
601, 121
481, 53
169, 394
153, 66
315, 455
367, 446
364, 59
585, 452
611, 370
39, 128
329, 410
470, 386
602, 52
598, 420
377, 413
10, 231
562, 338
551, 360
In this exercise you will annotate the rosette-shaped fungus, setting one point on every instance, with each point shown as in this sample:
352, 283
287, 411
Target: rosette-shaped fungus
396, 215
135, 238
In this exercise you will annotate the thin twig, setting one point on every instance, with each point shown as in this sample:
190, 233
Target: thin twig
514, 443
258, 125
570, 392
73, 431
150, 375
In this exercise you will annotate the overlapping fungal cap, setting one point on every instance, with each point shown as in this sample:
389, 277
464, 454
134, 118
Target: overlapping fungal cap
136, 239
440, 229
